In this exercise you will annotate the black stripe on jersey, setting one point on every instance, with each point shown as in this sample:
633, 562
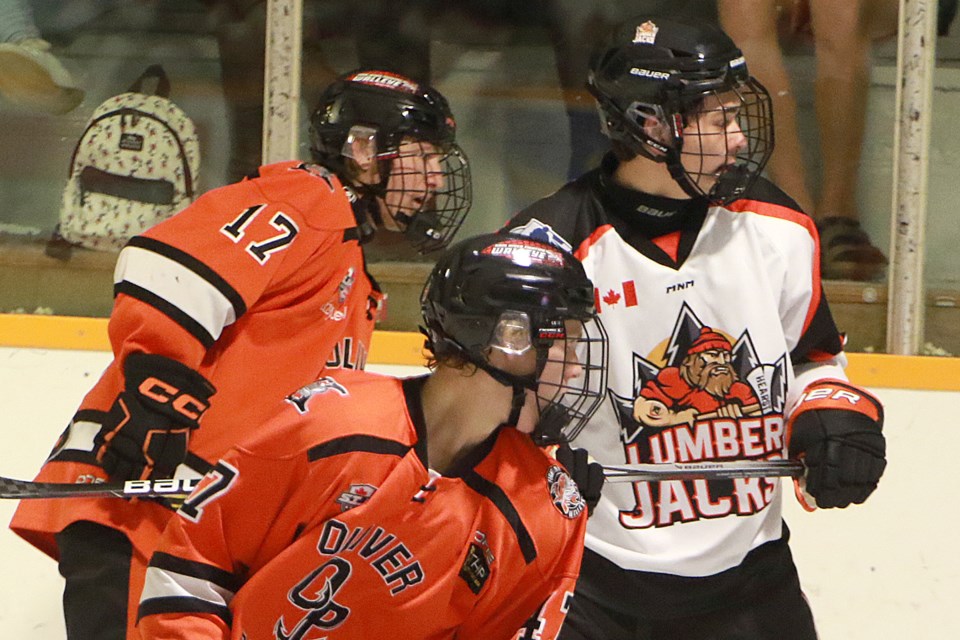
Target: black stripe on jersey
76, 455
350, 444
765, 191
173, 312
413, 394
90, 415
821, 335
199, 570
495, 494
183, 604
191, 263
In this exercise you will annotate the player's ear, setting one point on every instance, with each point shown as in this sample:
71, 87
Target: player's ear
657, 129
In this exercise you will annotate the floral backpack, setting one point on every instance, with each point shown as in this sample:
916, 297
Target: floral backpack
135, 165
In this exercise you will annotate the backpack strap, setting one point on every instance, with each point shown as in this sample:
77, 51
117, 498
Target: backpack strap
156, 73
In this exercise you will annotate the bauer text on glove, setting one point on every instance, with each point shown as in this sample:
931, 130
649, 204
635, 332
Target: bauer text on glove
836, 431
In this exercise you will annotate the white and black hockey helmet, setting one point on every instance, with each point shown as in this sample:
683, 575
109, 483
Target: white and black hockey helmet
664, 68
508, 292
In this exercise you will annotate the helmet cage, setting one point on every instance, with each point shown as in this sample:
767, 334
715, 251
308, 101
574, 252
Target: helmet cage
432, 217
567, 403
678, 107
390, 110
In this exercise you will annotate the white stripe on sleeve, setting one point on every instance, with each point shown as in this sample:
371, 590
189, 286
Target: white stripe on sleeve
161, 583
177, 285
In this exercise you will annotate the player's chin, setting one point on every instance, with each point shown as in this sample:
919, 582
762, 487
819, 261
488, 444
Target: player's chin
706, 181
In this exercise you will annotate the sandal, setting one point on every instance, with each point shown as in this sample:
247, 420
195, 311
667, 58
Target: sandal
846, 252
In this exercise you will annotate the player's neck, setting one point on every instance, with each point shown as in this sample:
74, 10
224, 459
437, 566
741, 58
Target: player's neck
460, 411
643, 174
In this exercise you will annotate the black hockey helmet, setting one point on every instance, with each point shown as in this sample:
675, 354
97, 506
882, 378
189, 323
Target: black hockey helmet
512, 293
390, 108
665, 68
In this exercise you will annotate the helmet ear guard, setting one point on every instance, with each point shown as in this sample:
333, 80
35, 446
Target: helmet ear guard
515, 295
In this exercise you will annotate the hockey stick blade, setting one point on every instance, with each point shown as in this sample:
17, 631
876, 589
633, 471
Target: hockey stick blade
160, 488
703, 470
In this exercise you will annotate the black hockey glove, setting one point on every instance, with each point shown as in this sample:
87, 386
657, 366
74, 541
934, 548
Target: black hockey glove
147, 430
588, 475
836, 431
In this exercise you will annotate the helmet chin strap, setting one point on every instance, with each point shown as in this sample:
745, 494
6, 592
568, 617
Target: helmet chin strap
680, 176
641, 143
670, 156
519, 384
364, 206
422, 226
550, 419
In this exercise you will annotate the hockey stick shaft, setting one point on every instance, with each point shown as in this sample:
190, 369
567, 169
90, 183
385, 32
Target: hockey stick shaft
11, 489
160, 488
703, 470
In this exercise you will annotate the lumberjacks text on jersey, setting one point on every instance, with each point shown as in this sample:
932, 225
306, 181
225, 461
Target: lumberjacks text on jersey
710, 399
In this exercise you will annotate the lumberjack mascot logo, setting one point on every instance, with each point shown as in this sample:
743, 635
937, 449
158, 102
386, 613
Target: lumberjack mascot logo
705, 397
704, 385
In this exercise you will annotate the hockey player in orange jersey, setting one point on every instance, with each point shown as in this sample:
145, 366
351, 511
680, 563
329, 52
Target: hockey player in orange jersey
373, 507
251, 292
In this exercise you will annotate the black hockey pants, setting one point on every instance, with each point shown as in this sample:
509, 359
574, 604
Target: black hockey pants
95, 562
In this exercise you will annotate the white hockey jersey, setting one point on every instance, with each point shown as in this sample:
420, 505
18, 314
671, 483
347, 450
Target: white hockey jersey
714, 327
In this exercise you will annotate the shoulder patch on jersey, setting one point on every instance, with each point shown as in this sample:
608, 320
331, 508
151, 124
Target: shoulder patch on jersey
476, 565
343, 289
301, 396
543, 232
564, 492
317, 171
355, 496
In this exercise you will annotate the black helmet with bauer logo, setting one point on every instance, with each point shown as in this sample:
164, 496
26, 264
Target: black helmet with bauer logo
664, 69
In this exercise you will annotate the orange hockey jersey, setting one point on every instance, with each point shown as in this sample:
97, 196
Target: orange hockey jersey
259, 286
332, 525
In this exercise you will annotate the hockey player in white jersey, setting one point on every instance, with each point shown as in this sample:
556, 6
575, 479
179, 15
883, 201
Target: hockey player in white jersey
722, 347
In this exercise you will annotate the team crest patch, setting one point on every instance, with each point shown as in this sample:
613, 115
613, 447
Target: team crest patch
564, 492
646, 33
476, 565
542, 232
301, 396
355, 496
343, 289
317, 171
